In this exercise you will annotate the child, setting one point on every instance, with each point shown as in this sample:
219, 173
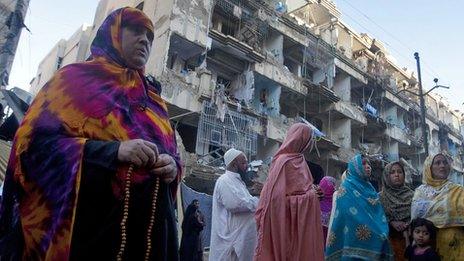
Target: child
424, 234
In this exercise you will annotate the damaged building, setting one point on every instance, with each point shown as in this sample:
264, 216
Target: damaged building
238, 73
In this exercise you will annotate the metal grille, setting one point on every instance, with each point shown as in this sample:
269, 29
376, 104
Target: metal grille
235, 132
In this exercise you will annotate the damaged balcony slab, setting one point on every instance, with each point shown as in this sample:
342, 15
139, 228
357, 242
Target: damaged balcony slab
277, 130
187, 117
190, 19
344, 109
398, 134
377, 124
183, 48
319, 90
233, 46
280, 75
341, 156
351, 69
289, 28
405, 149
387, 94
327, 144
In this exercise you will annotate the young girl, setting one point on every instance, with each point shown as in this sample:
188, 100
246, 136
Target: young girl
424, 234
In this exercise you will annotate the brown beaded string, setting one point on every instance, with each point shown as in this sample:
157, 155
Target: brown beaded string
125, 216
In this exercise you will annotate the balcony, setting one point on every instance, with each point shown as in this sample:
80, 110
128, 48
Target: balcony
344, 109
387, 94
280, 75
235, 47
277, 130
397, 134
341, 156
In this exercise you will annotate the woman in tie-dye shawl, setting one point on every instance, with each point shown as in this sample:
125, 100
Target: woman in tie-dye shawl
65, 176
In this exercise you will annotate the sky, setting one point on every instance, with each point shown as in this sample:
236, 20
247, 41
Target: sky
432, 28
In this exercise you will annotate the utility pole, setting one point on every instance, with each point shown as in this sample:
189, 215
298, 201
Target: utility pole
422, 106
12, 23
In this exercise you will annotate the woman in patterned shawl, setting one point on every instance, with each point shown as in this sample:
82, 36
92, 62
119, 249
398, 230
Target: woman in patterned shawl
442, 202
396, 200
358, 229
71, 154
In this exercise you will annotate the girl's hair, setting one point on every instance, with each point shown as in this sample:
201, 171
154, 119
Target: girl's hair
418, 222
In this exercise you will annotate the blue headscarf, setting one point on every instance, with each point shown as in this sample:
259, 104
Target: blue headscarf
359, 228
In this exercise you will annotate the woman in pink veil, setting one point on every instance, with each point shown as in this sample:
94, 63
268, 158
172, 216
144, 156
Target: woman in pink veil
288, 216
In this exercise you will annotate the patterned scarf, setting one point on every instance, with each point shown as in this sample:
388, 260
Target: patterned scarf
359, 227
396, 201
101, 99
439, 201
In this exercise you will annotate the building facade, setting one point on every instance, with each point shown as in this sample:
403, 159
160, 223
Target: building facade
12, 16
240, 72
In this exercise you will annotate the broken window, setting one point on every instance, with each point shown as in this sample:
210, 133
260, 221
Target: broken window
183, 55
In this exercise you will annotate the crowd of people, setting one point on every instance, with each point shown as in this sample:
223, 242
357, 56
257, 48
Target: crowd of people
94, 171
351, 222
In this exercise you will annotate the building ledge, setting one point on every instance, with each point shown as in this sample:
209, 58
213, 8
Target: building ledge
397, 134
277, 130
348, 110
389, 95
328, 144
349, 67
280, 75
325, 93
342, 156
232, 42
331, 7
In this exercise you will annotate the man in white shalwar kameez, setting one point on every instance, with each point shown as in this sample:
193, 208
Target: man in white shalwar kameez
233, 227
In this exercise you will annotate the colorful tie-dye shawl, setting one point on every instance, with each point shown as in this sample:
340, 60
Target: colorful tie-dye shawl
100, 99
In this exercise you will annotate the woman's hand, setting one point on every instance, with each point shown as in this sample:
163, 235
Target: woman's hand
139, 152
165, 168
319, 192
399, 225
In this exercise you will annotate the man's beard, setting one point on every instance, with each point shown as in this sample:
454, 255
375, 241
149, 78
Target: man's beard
246, 177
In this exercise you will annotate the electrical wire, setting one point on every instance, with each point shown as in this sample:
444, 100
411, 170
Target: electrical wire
427, 68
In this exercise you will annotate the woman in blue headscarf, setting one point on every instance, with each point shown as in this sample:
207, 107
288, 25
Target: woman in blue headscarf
358, 229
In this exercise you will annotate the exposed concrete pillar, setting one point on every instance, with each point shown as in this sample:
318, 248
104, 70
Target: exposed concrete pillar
205, 82
342, 87
341, 132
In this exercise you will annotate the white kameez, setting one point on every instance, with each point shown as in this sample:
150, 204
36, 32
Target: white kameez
233, 225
